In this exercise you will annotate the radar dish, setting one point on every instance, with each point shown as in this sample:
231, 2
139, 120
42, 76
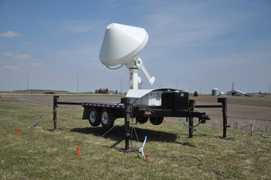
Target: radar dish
121, 44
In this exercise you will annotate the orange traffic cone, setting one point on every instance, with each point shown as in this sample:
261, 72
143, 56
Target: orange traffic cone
78, 151
18, 132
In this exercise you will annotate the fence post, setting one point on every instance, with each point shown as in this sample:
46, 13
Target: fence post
223, 101
190, 118
55, 98
252, 122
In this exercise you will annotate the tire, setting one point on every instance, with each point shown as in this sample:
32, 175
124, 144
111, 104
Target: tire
94, 118
142, 119
107, 120
156, 120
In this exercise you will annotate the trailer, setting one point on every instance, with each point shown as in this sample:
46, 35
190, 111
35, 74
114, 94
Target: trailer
171, 103
152, 105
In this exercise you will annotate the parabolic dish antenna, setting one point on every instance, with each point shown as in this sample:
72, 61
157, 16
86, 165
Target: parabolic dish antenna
121, 46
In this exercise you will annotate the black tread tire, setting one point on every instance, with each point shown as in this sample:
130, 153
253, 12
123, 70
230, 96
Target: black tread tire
142, 119
156, 120
97, 120
110, 120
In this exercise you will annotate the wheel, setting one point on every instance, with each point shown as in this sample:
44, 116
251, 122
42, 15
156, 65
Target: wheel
94, 118
107, 120
142, 119
156, 120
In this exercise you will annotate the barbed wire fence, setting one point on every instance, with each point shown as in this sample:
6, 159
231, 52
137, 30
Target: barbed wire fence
247, 125
250, 125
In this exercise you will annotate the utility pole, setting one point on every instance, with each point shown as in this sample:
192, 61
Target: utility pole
176, 83
77, 82
120, 84
27, 83
28, 80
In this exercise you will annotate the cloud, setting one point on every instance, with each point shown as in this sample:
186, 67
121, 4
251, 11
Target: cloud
36, 64
190, 32
9, 67
23, 56
16, 56
7, 54
9, 34
83, 26
78, 27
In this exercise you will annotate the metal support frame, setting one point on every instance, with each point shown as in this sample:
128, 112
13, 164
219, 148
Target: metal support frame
55, 99
128, 113
190, 119
223, 105
223, 101
127, 117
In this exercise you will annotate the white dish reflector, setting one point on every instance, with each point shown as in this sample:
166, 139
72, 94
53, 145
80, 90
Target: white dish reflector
122, 44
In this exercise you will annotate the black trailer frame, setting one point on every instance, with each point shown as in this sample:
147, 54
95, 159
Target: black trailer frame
127, 110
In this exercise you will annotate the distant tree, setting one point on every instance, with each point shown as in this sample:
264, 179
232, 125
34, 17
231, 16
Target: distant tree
195, 93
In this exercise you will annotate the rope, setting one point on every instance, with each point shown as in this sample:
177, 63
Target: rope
106, 132
36, 123
133, 134
136, 135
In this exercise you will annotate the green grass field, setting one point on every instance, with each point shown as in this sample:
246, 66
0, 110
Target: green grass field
38, 153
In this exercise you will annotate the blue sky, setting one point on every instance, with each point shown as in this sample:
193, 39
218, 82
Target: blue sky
193, 45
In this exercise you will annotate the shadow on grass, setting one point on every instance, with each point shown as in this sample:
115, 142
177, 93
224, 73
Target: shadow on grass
117, 133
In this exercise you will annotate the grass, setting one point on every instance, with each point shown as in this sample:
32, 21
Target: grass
39, 153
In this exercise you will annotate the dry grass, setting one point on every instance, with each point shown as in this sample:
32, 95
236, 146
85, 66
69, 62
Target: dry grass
39, 153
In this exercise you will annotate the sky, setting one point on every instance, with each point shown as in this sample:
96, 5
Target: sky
193, 45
